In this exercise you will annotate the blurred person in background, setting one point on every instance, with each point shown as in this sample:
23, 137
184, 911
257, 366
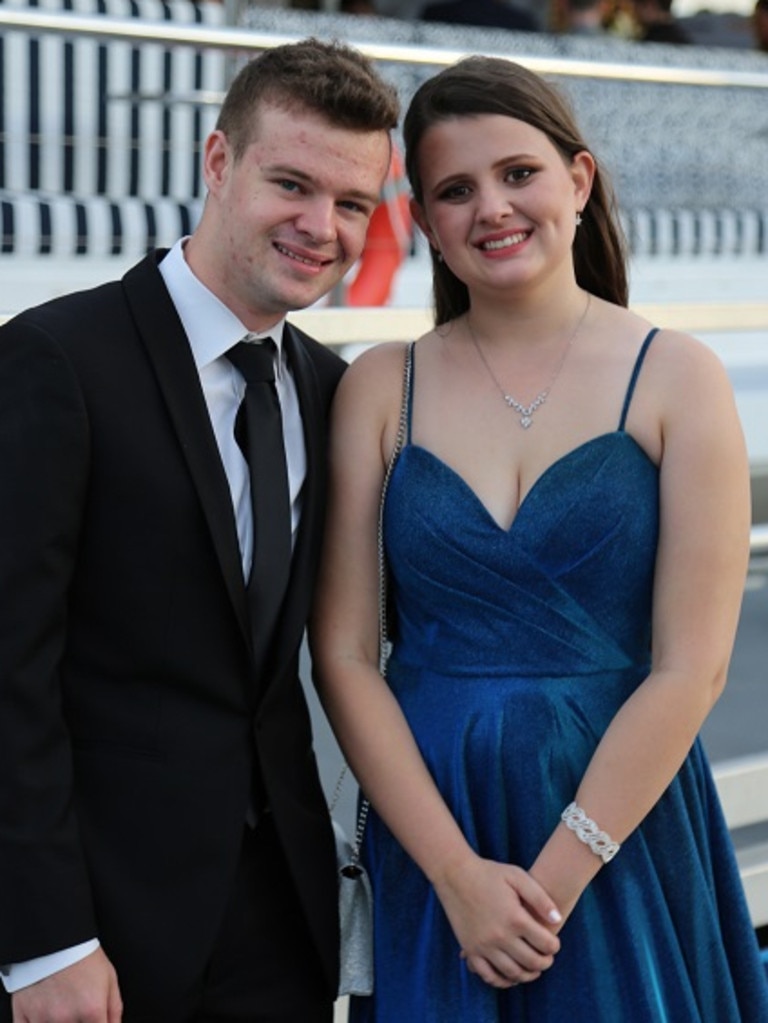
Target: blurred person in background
585, 17
656, 23
760, 25
485, 13
357, 7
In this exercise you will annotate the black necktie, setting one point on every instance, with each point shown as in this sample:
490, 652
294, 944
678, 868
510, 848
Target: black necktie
259, 432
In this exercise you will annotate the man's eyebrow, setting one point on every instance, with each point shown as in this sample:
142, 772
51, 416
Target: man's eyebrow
291, 172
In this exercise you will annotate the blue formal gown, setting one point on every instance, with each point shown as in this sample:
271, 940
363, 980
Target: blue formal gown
514, 650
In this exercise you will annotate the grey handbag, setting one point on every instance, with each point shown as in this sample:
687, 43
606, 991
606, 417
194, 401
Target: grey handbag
355, 894
355, 910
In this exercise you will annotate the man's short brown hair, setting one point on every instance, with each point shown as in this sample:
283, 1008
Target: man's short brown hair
330, 79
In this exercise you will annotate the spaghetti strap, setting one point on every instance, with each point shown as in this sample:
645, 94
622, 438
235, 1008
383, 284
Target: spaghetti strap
635, 374
409, 393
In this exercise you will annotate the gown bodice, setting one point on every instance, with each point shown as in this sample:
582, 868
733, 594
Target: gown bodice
536, 598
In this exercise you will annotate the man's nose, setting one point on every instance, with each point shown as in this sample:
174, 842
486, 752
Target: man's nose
318, 220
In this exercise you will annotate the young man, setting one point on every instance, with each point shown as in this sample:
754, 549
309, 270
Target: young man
165, 848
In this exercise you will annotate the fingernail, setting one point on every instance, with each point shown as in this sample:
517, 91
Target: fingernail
554, 917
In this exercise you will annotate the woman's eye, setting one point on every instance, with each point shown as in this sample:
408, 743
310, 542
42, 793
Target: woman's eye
518, 173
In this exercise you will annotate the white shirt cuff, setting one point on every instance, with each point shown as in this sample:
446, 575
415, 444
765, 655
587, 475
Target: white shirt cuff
18, 975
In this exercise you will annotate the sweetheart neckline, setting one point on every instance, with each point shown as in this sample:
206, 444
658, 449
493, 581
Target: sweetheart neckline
539, 479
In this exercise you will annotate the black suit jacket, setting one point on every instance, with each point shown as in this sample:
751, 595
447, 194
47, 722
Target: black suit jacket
132, 713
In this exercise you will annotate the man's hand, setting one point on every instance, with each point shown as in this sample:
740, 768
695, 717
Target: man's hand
86, 992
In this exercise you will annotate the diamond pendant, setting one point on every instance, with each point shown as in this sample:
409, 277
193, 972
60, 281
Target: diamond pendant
525, 422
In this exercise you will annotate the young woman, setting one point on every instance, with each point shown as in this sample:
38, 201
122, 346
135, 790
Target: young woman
566, 530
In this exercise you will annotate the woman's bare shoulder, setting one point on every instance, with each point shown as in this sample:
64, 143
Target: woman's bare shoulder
377, 363
683, 364
372, 385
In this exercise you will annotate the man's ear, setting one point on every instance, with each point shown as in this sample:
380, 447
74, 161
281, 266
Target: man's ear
217, 158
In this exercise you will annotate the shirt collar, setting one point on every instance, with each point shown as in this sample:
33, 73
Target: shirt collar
211, 328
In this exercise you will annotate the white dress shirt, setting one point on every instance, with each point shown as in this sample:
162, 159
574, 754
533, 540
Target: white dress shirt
212, 329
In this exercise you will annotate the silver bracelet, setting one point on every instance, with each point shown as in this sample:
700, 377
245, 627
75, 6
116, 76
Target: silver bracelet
584, 828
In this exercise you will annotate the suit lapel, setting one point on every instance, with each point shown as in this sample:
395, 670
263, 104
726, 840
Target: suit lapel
168, 350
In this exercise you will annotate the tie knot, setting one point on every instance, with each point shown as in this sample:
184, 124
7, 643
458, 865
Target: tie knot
254, 359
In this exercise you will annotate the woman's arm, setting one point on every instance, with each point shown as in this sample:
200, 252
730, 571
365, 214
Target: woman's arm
497, 911
700, 570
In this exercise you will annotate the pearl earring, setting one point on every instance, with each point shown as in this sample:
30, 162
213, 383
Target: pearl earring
578, 218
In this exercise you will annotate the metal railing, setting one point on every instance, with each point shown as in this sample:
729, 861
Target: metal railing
345, 325
240, 40
742, 784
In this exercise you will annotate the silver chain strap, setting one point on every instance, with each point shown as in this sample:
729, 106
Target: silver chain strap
384, 645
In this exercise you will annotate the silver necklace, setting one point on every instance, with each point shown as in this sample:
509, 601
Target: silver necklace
526, 411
